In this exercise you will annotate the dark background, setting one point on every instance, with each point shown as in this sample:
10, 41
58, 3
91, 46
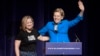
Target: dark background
11, 12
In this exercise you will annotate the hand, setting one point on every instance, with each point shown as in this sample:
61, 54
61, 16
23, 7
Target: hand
43, 38
81, 6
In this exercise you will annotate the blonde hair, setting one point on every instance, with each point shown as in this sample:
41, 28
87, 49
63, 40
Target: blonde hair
60, 10
23, 22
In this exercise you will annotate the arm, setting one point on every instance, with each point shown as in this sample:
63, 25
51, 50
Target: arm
17, 44
43, 38
43, 30
80, 15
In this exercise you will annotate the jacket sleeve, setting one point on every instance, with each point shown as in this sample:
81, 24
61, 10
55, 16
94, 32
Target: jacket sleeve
75, 21
44, 29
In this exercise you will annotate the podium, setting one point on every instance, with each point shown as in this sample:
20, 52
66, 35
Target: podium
63, 48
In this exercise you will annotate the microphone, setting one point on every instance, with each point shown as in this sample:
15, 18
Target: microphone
77, 39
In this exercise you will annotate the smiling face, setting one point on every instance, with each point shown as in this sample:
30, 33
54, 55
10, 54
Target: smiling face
58, 15
29, 23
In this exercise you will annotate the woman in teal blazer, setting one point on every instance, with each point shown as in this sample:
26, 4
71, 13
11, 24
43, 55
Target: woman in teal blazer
58, 29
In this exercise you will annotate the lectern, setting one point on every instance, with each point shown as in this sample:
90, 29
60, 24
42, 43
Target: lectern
63, 48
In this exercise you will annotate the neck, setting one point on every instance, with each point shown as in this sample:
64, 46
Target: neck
28, 30
57, 22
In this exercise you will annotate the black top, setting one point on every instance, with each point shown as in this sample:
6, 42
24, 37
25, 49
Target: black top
28, 40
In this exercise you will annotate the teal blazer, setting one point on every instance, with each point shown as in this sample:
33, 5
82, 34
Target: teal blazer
62, 33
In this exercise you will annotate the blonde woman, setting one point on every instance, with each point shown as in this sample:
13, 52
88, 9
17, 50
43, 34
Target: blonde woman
25, 42
58, 29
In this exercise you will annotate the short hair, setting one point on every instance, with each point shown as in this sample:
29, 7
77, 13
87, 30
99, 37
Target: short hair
23, 22
60, 10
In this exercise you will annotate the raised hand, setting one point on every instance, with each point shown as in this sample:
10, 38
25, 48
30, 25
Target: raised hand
81, 5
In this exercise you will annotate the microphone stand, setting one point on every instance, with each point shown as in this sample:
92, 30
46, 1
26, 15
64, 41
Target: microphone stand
77, 39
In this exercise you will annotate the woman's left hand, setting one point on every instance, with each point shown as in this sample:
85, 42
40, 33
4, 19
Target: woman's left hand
81, 6
43, 38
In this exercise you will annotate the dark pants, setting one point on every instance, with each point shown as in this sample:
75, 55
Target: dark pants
23, 53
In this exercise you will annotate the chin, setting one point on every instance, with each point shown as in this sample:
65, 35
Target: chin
57, 22
29, 28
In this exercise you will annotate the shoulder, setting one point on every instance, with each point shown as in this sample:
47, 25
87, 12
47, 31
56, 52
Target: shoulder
35, 30
21, 31
64, 20
20, 35
49, 23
